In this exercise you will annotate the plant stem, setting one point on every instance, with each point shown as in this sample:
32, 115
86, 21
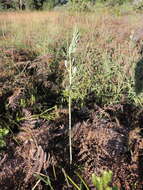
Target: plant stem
70, 102
70, 143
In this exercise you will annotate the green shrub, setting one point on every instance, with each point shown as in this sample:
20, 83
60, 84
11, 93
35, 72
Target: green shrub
48, 5
114, 2
1, 6
138, 5
80, 5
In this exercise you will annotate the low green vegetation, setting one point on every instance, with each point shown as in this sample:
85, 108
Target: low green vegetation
3, 133
102, 183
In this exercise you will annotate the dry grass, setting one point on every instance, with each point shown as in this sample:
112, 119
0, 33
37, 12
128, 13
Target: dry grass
37, 30
32, 27
105, 38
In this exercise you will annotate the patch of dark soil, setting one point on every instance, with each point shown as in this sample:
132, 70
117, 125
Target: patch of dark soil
109, 139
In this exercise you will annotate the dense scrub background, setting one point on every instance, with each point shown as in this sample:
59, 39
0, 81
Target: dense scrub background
75, 4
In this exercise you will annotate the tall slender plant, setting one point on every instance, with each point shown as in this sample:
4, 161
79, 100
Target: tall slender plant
71, 68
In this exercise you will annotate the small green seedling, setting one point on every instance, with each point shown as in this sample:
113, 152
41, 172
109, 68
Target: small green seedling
3, 133
103, 182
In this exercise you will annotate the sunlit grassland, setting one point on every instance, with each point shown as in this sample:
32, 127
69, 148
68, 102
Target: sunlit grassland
105, 47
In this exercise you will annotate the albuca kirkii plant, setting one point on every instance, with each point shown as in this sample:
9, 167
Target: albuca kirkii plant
71, 69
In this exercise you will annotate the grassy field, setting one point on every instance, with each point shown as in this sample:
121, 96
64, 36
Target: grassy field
105, 39
106, 92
